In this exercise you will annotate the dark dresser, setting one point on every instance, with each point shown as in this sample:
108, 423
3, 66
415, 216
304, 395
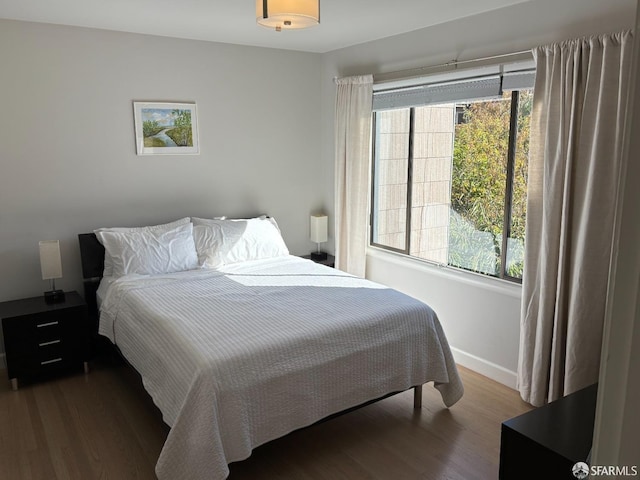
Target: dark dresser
548, 441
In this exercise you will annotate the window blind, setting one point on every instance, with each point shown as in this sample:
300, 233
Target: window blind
469, 89
519, 80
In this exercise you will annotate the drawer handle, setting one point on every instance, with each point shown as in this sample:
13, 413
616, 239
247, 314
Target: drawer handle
47, 362
52, 342
49, 324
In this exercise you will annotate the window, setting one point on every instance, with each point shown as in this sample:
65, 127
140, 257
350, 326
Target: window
450, 173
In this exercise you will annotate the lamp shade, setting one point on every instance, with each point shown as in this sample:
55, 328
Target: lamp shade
319, 225
288, 14
50, 262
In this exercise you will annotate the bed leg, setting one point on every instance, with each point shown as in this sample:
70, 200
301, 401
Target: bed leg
417, 396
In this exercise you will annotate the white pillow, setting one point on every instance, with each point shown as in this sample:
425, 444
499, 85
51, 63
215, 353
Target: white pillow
108, 263
222, 242
151, 252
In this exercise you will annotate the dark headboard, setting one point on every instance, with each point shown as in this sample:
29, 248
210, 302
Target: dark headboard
92, 259
91, 255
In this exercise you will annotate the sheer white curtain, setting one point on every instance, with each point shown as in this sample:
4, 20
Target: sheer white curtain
576, 140
352, 171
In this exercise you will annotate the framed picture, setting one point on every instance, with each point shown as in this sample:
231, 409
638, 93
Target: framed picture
166, 128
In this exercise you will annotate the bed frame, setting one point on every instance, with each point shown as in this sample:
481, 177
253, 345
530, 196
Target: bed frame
92, 259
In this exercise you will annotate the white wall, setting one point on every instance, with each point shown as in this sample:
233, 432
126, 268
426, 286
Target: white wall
67, 150
480, 316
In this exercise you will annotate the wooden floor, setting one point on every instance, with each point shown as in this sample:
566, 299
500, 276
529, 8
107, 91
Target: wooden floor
104, 426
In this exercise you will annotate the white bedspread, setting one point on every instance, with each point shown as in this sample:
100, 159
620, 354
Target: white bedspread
234, 359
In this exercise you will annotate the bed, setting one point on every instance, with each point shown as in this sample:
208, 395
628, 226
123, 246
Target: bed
254, 346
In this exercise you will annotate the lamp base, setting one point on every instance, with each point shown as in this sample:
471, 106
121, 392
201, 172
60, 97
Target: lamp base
54, 296
317, 256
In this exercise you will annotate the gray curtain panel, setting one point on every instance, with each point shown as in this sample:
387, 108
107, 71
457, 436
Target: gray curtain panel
576, 142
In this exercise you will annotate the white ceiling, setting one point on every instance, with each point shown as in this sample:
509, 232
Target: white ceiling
343, 22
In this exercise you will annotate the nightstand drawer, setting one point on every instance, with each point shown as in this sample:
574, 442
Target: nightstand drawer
43, 351
48, 332
43, 362
39, 326
46, 327
51, 349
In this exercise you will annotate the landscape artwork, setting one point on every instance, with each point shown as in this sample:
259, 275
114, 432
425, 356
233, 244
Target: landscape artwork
166, 128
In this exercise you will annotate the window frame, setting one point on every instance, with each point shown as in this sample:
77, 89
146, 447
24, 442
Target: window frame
508, 203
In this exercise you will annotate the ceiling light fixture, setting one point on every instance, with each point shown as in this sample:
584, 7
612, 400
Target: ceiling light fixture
288, 14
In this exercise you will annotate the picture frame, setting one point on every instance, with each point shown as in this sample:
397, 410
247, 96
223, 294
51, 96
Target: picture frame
166, 128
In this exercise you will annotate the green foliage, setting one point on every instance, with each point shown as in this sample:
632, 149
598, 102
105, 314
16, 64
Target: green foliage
470, 248
480, 165
150, 128
181, 118
479, 184
520, 179
516, 270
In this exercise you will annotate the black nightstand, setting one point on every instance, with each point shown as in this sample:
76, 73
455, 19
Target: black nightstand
41, 338
330, 261
548, 441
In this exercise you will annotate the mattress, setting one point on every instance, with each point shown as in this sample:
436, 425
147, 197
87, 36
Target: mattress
237, 357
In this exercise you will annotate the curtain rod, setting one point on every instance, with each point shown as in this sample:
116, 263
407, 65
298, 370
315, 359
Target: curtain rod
451, 65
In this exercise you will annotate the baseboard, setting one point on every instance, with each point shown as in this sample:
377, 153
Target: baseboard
485, 367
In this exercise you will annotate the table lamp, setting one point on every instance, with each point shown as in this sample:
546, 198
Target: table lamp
51, 267
319, 224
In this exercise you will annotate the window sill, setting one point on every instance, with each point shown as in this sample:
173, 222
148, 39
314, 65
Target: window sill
504, 287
